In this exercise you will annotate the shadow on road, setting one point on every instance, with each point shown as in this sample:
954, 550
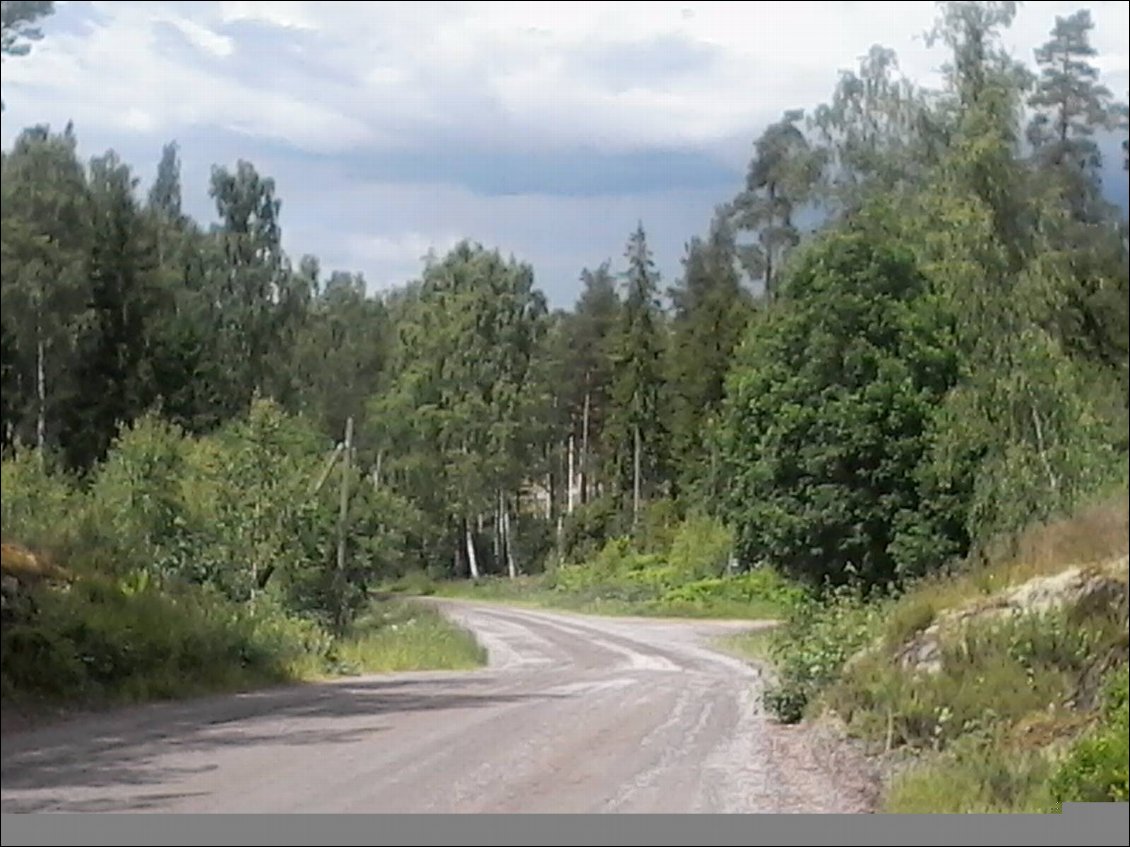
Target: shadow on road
121, 748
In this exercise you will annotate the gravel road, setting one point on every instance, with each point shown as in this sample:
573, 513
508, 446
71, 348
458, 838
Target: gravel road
574, 714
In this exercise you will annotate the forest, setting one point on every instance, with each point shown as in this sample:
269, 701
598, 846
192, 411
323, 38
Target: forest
937, 359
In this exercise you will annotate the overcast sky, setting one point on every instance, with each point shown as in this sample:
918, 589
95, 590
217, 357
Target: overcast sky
545, 129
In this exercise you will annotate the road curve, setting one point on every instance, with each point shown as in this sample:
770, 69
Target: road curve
574, 714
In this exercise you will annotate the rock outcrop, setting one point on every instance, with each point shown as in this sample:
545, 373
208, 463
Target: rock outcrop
1084, 590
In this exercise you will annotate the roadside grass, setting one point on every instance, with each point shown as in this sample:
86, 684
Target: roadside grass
1015, 719
611, 600
100, 643
398, 635
754, 645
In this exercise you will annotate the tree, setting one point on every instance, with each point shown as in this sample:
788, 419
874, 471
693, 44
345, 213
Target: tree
636, 430
1022, 434
978, 65
165, 194
781, 178
1078, 224
453, 419
342, 348
253, 278
45, 227
711, 310
828, 414
878, 132
586, 372
112, 377
1069, 106
18, 26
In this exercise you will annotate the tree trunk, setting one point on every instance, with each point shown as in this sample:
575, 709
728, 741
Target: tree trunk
572, 472
342, 524
585, 448
508, 541
40, 389
472, 559
636, 478
498, 529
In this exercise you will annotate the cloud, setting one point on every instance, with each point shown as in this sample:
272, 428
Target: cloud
282, 15
548, 129
618, 77
204, 38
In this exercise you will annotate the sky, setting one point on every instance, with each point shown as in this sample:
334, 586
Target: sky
544, 129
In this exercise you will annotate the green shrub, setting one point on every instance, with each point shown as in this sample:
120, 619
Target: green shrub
414, 582
1095, 770
976, 776
809, 651
763, 586
38, 507
700, 547
659, 522
588, 528
993, 673
102, 640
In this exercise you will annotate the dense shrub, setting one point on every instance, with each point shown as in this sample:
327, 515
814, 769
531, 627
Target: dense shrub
1095, 770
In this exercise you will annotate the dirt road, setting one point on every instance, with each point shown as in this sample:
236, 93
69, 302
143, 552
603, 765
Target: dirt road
575, 714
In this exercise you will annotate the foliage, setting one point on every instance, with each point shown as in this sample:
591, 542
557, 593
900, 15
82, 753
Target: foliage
810, 649
1095, 770
828, 417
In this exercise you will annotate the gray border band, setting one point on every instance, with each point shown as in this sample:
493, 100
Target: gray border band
1083, 824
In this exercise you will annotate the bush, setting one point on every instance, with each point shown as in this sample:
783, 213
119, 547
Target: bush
828, 418
701, 547
763, 585
38, 508
810, 650
1095, 770
588, 528
993, 674
106, 640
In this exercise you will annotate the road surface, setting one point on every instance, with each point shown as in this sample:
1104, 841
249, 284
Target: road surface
574, 714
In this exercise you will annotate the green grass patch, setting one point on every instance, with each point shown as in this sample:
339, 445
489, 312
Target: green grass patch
1095, 769
101, 642
405, 636
755, 645
974, 777
726, 598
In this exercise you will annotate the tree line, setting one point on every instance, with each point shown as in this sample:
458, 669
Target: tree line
940, 358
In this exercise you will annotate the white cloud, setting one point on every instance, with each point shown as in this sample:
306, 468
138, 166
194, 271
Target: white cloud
498, 75
285, 15
362, 78
204, 38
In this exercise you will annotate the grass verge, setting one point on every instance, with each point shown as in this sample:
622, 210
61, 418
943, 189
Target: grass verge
994, 712
755, 645
738, 598
398, 635
100, 643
